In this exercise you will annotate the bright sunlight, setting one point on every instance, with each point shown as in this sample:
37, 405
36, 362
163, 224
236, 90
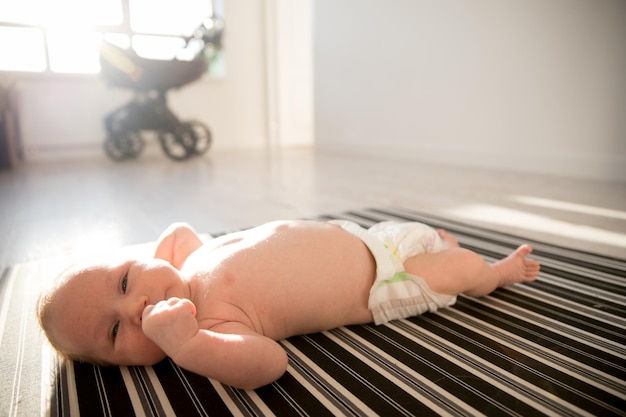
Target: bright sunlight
63, 36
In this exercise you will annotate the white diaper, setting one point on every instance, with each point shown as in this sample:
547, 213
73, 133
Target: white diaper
397, 294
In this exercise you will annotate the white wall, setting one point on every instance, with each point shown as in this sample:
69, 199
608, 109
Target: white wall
289, 35
61, 115
529, 85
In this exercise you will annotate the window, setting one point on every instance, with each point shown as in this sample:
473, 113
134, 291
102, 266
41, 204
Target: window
63, 36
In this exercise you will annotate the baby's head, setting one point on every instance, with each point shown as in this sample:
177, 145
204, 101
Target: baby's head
49, 304
94, 313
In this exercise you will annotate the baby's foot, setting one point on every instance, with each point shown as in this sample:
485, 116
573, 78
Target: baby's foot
449, 241
516, 267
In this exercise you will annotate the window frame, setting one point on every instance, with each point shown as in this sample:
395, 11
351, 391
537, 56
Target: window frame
124, 28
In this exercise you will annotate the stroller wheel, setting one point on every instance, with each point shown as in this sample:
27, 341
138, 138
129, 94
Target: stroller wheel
125, 145
201, 136
177, 144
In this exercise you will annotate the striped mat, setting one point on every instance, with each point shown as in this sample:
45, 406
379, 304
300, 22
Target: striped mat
554, 347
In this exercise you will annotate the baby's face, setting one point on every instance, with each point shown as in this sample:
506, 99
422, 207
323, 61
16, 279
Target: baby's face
98, 311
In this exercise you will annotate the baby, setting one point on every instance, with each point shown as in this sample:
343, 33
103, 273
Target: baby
218, 308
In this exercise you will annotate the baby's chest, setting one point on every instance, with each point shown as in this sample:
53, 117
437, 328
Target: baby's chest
215, 311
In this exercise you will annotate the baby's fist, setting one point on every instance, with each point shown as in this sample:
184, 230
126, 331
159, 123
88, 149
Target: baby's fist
173, 304
170, 323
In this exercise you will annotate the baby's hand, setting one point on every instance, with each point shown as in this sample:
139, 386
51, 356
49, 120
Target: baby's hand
170, 323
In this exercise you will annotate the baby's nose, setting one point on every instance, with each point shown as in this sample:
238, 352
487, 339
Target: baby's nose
136, 309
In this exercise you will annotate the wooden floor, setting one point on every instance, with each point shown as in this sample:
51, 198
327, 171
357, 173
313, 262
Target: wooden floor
69, 207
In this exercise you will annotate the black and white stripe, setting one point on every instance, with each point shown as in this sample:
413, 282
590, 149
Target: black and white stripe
554, 347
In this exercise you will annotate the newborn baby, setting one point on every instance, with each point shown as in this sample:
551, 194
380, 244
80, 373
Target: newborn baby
218, 308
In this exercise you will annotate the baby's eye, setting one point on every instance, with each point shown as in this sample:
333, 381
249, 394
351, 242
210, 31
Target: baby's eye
124, 283
116, 328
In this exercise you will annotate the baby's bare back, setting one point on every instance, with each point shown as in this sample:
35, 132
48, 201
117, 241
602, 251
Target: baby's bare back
283, 278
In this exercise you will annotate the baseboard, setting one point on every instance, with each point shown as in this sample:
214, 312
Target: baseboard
572, 165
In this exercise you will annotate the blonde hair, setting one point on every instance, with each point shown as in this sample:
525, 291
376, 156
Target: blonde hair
43, 311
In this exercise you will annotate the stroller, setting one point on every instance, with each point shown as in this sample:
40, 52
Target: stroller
148, 111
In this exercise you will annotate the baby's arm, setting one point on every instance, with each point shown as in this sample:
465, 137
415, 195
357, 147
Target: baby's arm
232, 353
176, 243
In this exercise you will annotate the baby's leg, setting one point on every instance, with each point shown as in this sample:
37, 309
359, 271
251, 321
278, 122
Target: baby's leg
508, 271
459, 271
